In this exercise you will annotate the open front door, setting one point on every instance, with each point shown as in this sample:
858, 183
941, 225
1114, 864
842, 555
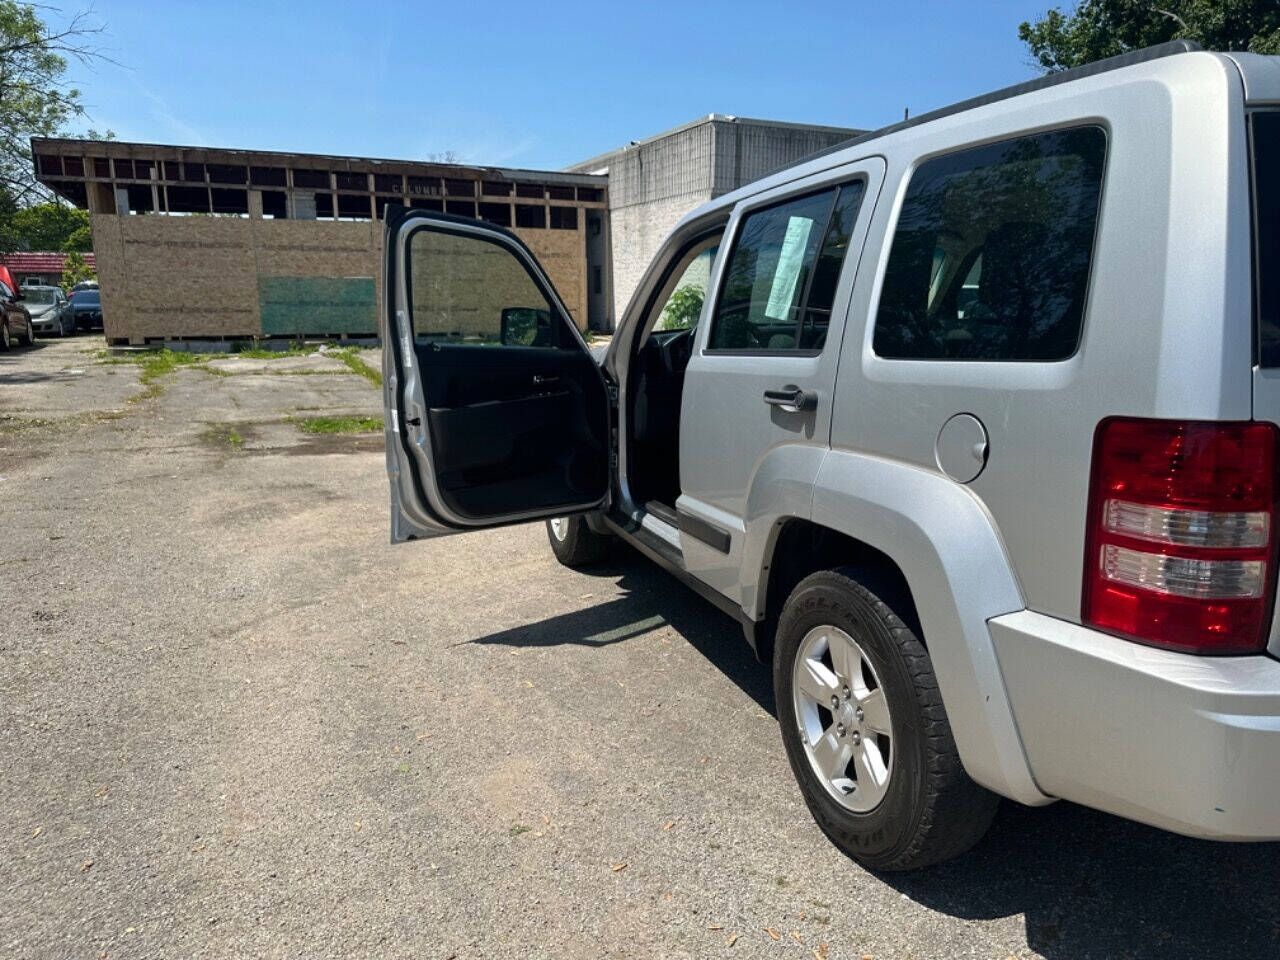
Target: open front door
495, 410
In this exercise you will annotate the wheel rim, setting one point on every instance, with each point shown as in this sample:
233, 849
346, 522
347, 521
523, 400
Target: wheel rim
560, 528
4, 336
843, 718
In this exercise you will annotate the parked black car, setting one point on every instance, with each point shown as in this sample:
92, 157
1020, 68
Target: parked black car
15, 320
86, 308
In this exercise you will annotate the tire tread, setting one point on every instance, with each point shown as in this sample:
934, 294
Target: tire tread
956, 811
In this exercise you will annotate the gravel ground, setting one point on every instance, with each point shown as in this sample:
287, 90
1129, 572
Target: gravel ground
234, 722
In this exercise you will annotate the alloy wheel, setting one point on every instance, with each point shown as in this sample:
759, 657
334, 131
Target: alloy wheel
843, 716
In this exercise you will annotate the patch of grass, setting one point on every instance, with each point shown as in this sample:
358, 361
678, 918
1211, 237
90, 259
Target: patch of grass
339, 424
225, 435
12, 425
518, 829
350, 356
156, 365
261, 353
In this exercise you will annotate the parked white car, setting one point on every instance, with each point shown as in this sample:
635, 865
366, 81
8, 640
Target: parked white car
50, 310
976, 435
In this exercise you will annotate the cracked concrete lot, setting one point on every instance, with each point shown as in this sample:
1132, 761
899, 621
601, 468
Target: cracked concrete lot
235, 722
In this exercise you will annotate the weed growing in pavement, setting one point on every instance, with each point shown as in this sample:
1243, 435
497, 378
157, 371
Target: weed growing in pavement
339, 424
351, 358
225, 435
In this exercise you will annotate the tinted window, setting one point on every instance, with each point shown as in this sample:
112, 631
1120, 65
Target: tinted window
471, 290
780, 281
85, 296
826, 273
1266, 185
990, 259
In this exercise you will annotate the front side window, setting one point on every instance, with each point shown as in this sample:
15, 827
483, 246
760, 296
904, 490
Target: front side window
467, 289
683, 306
990, 259
779, 284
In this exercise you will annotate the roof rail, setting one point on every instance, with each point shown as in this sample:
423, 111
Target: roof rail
1159, 51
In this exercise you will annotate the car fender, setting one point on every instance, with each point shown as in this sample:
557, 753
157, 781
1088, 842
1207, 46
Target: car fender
947, 546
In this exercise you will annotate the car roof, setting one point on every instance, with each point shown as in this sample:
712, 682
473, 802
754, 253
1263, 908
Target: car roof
812, 163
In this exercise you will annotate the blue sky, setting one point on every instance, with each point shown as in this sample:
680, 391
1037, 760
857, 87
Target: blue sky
524, 84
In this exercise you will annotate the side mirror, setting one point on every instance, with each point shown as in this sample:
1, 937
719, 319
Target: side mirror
528, 327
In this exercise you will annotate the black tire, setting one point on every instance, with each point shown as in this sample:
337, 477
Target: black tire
5, 340
30, 338
931, 811
580, 546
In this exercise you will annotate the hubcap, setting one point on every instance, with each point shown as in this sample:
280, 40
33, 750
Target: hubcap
843, 718
560, 528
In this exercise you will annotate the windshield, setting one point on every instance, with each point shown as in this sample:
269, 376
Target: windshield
1266, 225
39, 295
85, 296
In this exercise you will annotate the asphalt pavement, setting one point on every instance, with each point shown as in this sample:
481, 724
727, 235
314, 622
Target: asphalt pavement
236, 722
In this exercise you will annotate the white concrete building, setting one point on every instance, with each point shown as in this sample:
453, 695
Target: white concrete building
655, 182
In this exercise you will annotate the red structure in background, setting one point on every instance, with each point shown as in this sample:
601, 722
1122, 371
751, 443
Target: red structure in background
41, 266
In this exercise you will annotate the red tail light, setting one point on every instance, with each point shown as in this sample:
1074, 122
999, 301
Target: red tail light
1181, 543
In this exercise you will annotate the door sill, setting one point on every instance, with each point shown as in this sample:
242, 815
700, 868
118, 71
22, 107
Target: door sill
663, 512
665, 530
658, 549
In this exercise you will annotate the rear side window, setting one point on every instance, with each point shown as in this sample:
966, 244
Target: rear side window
991, 256
1266, 197
780, 281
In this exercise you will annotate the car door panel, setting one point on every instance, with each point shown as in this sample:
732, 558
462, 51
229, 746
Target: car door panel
747, 459
481, 431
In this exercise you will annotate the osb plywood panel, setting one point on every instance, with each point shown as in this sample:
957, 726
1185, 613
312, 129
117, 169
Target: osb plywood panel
562, 254
180, 277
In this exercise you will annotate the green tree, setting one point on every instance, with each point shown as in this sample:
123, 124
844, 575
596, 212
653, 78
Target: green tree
74, 269
49, 226
36, 99
682, 309
79, 240
1096, 29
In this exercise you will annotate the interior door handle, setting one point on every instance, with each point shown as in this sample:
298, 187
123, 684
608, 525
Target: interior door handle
539, 378
791, 398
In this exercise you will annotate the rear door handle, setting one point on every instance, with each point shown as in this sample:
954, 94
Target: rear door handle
791, 398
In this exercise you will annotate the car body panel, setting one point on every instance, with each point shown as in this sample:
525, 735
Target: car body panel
731, 442
994, 561
1186, 743
941, 536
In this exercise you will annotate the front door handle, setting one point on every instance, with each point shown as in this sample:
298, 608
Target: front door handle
792, 399
540, 379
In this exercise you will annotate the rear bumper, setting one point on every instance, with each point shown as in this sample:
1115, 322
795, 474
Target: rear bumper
1189, 744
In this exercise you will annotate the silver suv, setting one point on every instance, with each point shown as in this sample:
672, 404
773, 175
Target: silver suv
974, 431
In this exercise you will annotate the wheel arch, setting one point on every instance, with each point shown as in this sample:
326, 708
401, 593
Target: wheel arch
932, 547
